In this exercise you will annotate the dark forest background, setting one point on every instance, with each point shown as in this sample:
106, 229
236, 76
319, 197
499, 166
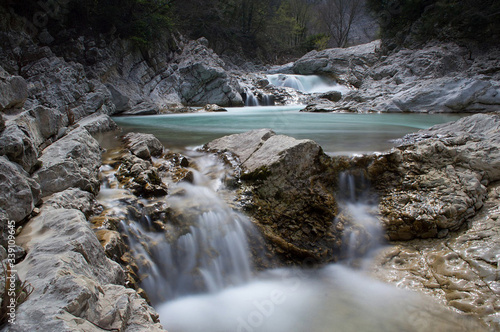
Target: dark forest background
270, 30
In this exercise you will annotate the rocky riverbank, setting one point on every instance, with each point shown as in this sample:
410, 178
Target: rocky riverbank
439, 184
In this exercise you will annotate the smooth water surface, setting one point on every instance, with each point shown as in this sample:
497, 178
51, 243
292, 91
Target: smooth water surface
337, 133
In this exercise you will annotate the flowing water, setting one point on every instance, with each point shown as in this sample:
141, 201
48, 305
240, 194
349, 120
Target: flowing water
343, 133
306, 83
202, 279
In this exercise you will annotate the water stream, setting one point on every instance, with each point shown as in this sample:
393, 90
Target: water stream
200, 276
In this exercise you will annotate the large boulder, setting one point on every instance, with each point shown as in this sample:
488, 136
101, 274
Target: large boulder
19, 193
204, 81
293, 196
72, 161
17, 144
76, 287
436, 179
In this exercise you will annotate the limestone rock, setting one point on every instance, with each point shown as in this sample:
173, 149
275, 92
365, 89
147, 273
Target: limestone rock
70, 273
13, 91
436, 179
214, 108
98, 123
204, 81
332, 95
19, 193
19, 146
72, 161
292, 192
346, 64
143, 146
73, 198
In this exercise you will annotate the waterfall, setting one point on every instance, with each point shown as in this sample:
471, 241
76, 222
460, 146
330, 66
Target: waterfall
306, 83
204, 250
250, 99
358, 205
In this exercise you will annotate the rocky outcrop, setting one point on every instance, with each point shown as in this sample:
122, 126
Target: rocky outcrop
70, 274
291, 189
436, 179
347, 65
460, 270
72, 161
13, 91
204, 81
436, 78
20, 193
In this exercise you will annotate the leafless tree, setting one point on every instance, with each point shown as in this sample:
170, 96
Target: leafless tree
338, 16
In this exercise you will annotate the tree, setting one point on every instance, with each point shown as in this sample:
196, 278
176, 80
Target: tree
338, 17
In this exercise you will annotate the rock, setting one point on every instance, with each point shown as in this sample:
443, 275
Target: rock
204, 81
436, 179
460, 270
13, 91
73, 198
332, 95
214, 108
19, 146
98, 123
348, 65
72, 161
292, 190
319, 108
143, 108
140, 177
143, 146
112, 242
49, 121
119, 99
70, 273
20, 193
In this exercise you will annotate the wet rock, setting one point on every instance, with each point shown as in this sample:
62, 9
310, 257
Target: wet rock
436, 179
143, 146
72, 161
461, 270
214, 108
112, 242
292, 191
144, 108
319, 108
19, 193
70, 273
332, 95
140, 177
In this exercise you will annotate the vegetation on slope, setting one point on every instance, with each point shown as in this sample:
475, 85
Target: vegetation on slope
463, 21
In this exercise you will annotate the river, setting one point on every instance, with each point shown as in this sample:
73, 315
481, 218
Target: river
205, 280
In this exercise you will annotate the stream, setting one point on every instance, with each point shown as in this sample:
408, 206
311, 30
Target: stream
204, 279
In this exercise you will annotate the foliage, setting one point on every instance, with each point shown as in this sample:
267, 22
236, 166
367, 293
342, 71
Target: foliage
457, 20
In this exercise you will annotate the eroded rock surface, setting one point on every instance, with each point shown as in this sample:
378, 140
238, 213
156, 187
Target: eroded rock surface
460, 270
292, 200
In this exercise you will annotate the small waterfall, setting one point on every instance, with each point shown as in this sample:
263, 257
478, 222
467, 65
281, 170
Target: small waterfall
251, 99
267, 100
200, 247
306, 83
358, 205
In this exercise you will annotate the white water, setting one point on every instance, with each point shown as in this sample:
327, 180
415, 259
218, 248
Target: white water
306, 83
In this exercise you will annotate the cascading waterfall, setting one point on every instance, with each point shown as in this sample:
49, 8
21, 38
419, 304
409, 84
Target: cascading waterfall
357, 203
306, 83
199, 276
211, 252
250, 99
